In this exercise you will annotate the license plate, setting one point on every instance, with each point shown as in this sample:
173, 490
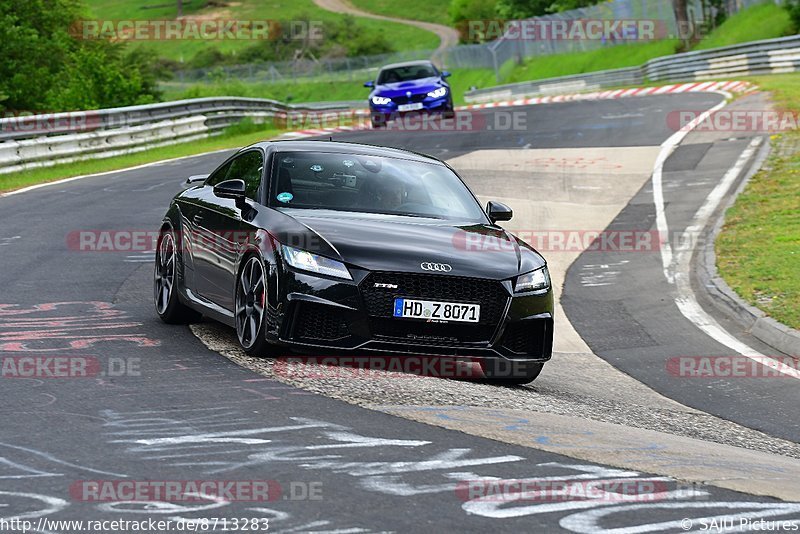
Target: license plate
431, 309
409, 107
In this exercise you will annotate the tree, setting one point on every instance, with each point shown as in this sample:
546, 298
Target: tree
682, 20
44, 67
523, 9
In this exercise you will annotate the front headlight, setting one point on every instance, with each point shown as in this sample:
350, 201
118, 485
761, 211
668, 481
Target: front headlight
380, 100
306, 261
533, 281
438, 93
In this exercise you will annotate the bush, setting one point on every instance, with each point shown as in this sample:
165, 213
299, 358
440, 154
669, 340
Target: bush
100, 75
463, 11
793, 7
43, 67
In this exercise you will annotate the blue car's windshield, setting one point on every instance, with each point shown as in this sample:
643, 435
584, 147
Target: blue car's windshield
370, 184
404, 74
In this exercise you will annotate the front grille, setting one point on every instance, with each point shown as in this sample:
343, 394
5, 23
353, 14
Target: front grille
413, 99
319, 322
525, 337
379, 303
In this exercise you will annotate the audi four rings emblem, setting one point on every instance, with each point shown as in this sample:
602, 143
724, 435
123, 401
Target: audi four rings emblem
438, 267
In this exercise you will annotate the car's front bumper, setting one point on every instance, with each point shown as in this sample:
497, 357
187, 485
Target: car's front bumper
441, 104
323, 313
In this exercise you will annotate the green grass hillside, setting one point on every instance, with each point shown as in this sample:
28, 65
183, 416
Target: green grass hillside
402, 37
424, 10
764, 21
758, 22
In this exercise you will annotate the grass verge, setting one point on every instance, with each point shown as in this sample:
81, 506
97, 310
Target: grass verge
317, 91
610, 57
758, 250
424, 10
354, 89
235, 137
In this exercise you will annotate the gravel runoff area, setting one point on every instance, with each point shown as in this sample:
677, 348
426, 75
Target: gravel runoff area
382, 388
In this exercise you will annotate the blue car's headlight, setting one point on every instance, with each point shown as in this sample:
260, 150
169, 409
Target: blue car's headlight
306, 261
533, 281
380, 100
438, 93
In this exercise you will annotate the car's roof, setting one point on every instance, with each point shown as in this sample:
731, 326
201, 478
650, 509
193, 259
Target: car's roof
408, 64
343, 148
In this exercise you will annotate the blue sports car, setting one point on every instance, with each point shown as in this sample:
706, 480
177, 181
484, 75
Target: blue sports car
417, 87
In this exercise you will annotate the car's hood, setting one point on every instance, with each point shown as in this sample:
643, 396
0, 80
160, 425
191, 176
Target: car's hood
387, 243
422, 85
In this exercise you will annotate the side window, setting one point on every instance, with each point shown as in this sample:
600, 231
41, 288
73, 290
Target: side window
248, 167
218, 175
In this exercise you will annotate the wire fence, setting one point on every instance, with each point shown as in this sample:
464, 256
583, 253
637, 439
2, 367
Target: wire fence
492, 55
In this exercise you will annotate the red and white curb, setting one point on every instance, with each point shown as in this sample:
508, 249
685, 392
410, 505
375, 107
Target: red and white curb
693, 87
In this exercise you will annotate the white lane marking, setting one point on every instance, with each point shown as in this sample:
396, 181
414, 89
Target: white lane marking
658, 192
590, 521
53, 505
622, 116
599, 275
677, 269
144, 256
8, 240
214, 437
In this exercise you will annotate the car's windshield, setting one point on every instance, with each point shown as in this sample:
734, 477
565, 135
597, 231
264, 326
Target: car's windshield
404, 74
370, 184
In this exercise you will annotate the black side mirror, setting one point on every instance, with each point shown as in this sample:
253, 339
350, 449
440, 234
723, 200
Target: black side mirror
445, 74
234, 189
369, 84
498, 212
195, 179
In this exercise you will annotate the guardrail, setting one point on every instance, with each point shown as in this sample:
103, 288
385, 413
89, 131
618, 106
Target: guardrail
110, 132
562, 84
770, 56
44, 140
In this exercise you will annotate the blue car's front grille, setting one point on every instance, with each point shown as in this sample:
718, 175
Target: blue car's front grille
413, 99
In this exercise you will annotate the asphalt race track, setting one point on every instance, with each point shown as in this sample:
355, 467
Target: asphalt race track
162, 406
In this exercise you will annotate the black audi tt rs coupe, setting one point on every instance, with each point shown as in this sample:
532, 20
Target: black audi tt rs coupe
320, 245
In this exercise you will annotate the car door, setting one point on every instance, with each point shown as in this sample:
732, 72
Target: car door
194, 205
227, 223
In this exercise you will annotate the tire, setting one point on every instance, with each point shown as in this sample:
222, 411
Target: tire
165, 292
449, 113
250, 308
509, 372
